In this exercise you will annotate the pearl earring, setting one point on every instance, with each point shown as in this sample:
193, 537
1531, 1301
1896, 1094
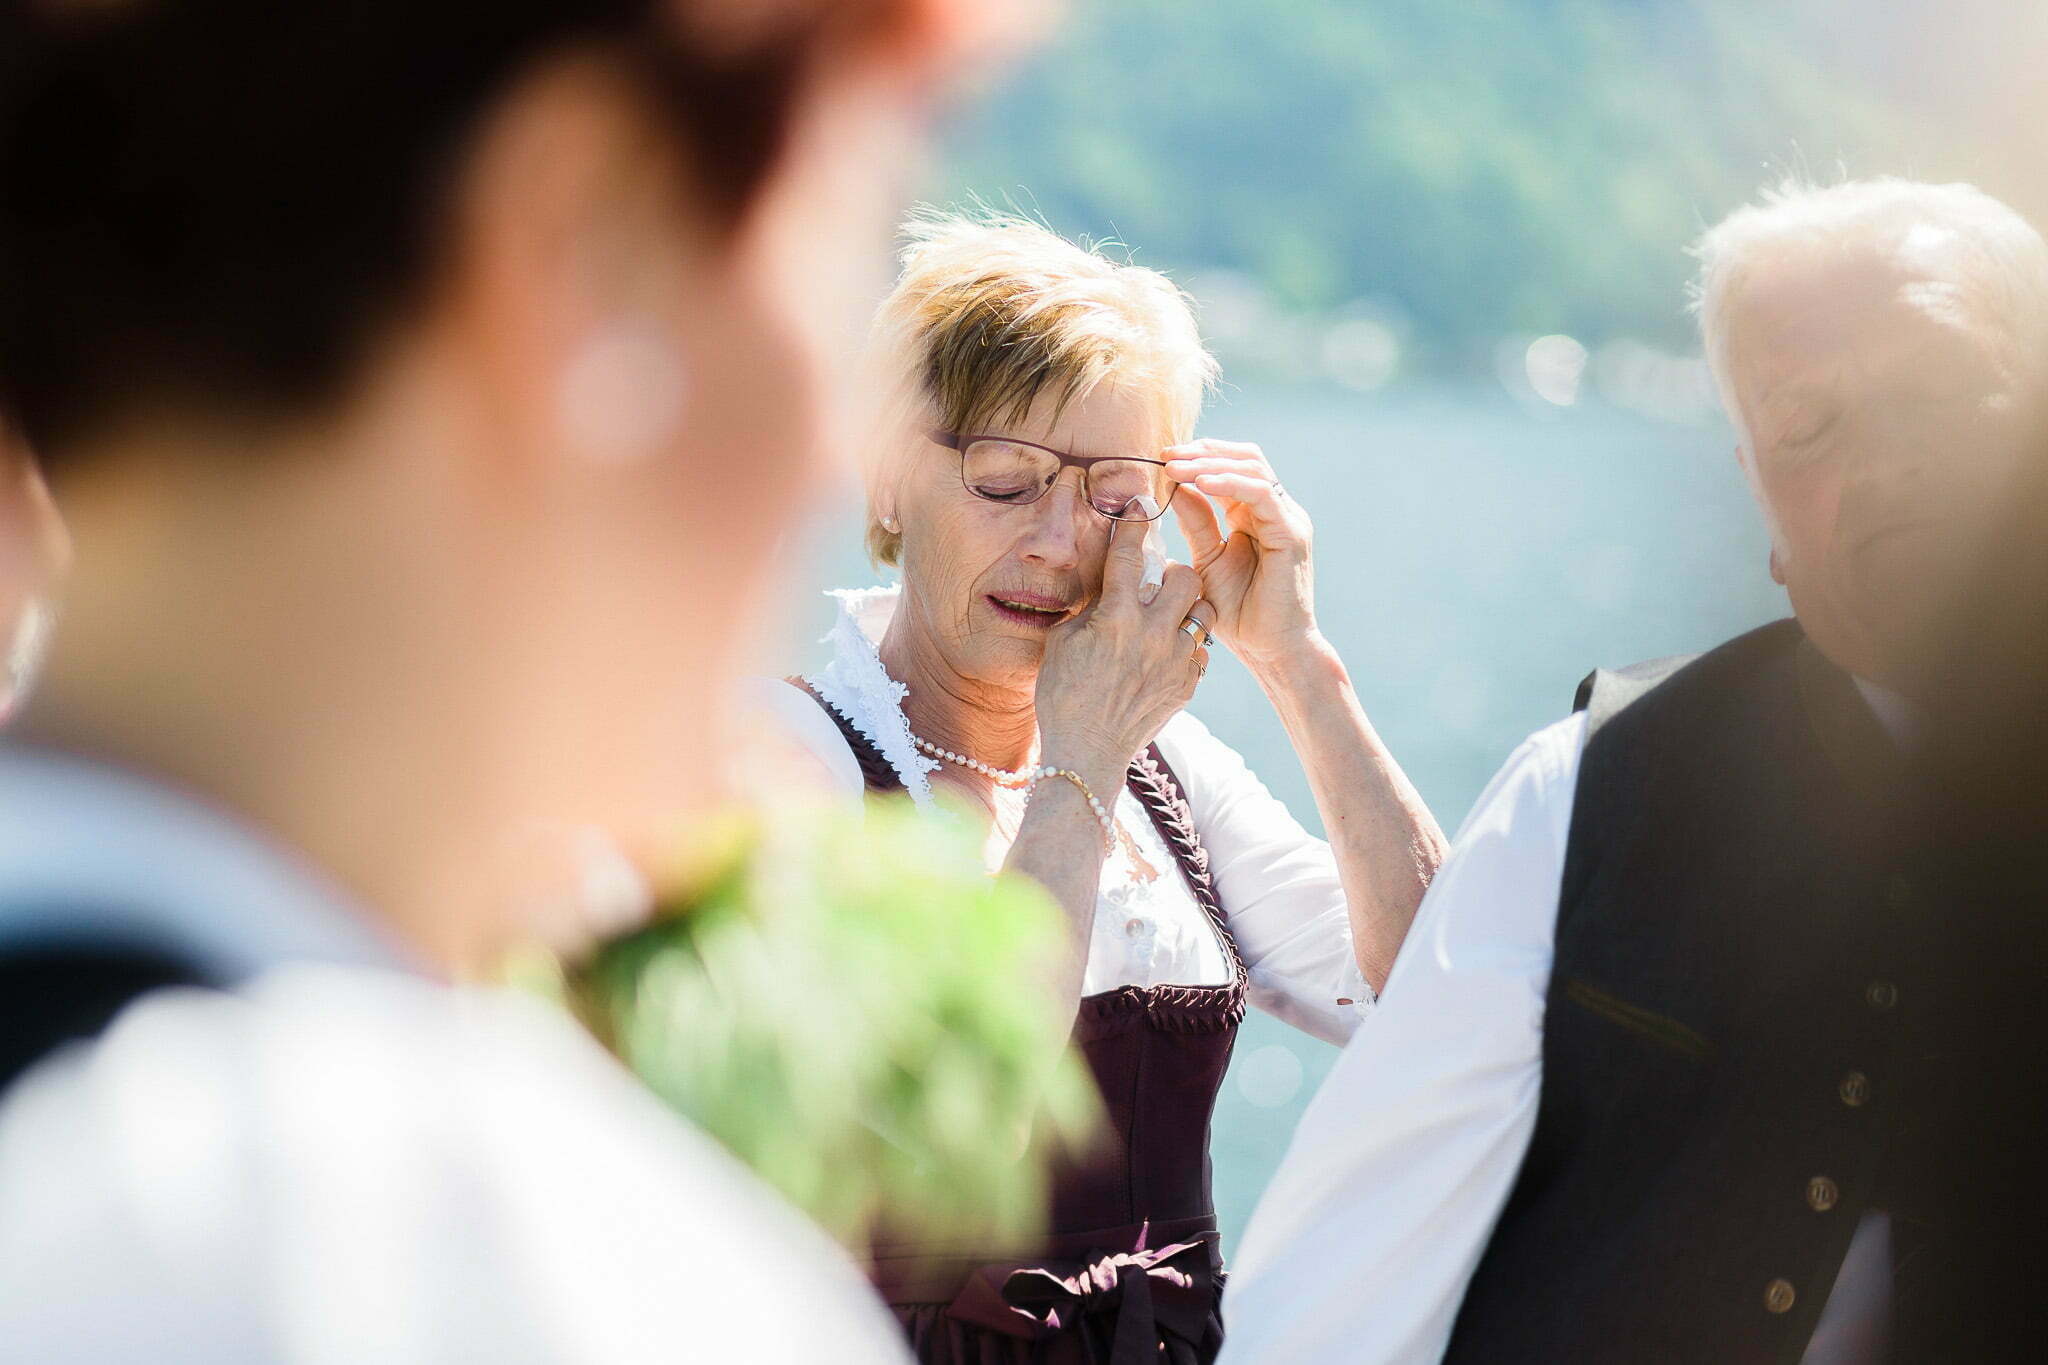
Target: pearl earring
892, 526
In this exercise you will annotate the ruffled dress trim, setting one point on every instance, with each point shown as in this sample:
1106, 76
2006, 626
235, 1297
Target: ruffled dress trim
856, 686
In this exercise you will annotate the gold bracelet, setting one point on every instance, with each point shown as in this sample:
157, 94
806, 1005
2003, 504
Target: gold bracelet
1102, 817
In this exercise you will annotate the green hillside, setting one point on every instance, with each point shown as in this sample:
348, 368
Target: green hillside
1484, 167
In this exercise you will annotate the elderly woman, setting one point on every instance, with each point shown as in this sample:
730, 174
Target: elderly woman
1031, 666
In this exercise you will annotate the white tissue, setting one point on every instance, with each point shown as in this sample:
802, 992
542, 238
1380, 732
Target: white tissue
1155, 559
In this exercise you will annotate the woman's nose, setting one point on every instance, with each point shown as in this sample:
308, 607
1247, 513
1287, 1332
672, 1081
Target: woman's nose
1059, 524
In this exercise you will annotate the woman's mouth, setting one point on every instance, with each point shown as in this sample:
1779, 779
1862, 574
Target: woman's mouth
1028, 608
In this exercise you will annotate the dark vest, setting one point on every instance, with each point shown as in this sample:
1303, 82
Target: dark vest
1724, 1057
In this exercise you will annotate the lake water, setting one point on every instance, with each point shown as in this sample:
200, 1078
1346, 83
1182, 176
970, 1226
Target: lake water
1476, 556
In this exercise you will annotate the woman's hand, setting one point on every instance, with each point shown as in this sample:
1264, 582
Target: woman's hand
1116, 673
1258, 573
1110, 678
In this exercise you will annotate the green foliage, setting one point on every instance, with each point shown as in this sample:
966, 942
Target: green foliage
859, 1012
1478, 167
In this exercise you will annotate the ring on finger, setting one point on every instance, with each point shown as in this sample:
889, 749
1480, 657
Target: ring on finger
1196, 629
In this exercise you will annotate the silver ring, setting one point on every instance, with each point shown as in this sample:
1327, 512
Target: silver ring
1195, 630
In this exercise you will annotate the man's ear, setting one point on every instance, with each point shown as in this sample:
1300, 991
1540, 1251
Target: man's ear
1746, 460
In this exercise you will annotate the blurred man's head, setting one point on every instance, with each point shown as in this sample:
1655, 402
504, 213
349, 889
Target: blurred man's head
1880, 347
429, 383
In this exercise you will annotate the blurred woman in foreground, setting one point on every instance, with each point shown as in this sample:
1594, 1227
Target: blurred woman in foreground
1027, 668
389, 360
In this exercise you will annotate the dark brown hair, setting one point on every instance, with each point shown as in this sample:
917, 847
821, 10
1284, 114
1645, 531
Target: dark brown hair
222, 202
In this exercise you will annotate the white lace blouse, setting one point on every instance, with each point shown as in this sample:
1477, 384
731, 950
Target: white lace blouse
1277, 882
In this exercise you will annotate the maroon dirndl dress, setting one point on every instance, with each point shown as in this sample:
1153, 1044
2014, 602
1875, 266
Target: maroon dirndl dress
1129, 1272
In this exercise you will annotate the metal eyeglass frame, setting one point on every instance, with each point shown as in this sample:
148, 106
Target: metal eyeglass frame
957, 442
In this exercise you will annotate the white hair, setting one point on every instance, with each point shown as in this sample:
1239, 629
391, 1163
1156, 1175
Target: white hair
2004, 260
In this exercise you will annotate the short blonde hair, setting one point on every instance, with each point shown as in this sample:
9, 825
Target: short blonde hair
991, 312
2005, 258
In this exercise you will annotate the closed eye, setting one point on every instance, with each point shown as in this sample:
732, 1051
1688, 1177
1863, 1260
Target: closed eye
1803, 439
1004, 492
1812, 427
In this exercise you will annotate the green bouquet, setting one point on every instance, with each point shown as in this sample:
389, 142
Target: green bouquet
859, 1012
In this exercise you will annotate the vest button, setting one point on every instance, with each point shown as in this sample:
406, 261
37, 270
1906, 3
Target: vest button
1855, 1089
1882, 995
1822, 1194
1779, 1296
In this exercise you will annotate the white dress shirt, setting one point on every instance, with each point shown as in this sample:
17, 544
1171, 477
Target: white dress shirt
1277, 882
1361, 1248
338, 1160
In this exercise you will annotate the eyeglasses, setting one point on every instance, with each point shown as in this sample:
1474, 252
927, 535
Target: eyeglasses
1012, 472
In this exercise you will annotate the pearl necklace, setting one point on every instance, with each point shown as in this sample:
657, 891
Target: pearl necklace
1004, 777
1025, 777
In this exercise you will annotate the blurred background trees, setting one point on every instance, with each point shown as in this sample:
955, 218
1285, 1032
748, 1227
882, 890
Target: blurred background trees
1465, 168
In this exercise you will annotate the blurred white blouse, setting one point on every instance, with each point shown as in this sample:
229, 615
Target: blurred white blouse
1277, 882
341, 1160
